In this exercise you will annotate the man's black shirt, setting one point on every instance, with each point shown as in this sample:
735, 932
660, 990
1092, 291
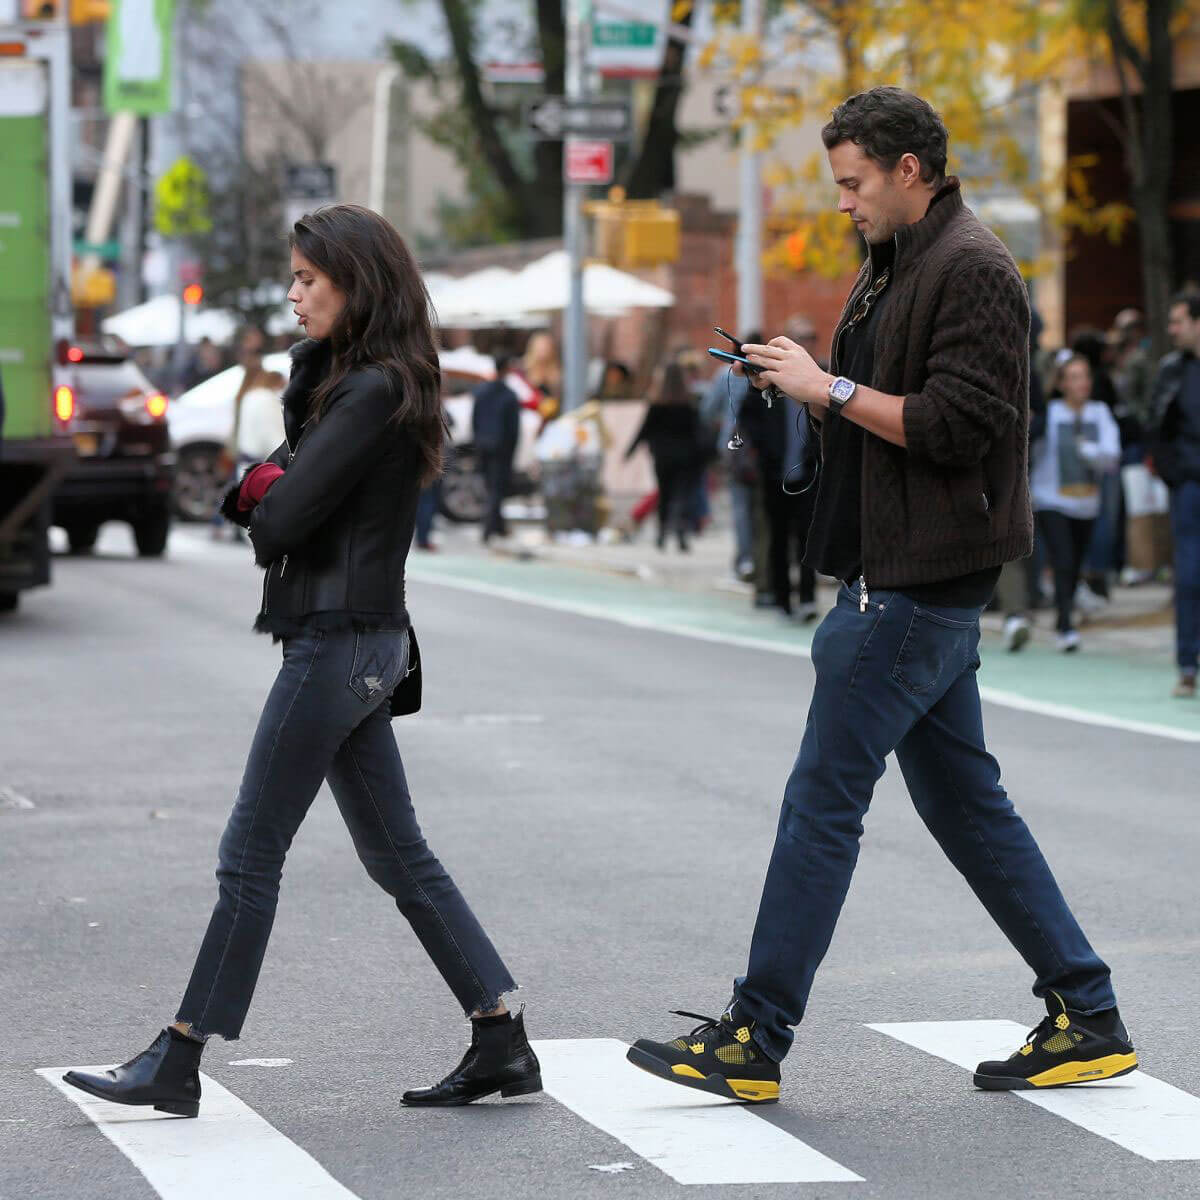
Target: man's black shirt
835, 537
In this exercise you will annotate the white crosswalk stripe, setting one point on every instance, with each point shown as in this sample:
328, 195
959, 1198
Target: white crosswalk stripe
691, 1136
228, 1151
1145, 1115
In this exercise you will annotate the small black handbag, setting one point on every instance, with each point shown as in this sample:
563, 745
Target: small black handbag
406, 698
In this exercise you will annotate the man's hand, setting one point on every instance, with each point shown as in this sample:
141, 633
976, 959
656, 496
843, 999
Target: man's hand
791, 369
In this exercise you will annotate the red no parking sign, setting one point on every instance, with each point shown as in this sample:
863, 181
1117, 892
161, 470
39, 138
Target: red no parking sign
588, 162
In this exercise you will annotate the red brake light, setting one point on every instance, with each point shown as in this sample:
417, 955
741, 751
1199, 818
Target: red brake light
74, 354
156, 405
64, 403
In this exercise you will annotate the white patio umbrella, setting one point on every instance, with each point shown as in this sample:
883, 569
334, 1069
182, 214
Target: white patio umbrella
495, 296
480, 295
156, 323
544, 285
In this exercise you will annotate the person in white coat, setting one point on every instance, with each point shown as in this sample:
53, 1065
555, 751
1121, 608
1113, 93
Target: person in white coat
260, 418
1081, 444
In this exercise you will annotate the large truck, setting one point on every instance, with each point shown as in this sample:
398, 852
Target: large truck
35, 309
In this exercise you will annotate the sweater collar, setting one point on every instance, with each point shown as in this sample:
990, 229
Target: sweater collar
911, 241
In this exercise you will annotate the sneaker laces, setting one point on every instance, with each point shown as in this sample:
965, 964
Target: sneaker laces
1044, 1029
707, 1026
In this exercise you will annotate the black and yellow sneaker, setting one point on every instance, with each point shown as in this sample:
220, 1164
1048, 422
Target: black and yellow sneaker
1067, 1047
718, 1056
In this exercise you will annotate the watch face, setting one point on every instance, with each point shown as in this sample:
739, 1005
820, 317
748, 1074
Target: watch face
842, 390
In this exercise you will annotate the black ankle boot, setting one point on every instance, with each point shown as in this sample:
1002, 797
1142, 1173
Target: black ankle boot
500, 1059
166, 1075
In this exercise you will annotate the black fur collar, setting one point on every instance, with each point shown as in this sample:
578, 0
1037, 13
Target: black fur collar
310, 364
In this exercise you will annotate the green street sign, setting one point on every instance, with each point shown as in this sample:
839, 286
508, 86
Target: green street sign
109, 249
623, 33
137, 58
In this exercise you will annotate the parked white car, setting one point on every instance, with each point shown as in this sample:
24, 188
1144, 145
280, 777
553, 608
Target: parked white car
201, 421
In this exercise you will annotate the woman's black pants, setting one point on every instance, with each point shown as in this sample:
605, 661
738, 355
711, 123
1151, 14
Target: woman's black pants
1066, 540
676, 481
327, 717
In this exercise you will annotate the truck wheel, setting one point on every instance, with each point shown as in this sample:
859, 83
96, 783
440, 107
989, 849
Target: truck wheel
82, 538
9, 601
150, 533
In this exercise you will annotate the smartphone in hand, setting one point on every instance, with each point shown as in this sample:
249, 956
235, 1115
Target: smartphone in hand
726, 356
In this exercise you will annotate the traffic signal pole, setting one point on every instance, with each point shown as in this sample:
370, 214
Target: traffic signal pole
750, 214
575, 348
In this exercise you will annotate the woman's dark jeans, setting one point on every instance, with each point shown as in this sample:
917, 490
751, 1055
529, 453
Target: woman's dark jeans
901, 676
327, 717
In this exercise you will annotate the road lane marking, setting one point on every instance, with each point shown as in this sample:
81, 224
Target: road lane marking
1140, 1113
689, 1135
991, 695
227, 1151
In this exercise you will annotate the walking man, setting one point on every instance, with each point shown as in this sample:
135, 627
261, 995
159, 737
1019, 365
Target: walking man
1176, 456
496, 422
923, 497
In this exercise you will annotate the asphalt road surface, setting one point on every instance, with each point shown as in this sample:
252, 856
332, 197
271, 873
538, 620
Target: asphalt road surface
606, 797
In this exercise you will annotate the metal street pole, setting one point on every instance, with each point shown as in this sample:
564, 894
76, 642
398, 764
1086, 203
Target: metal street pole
579, 17
750, 215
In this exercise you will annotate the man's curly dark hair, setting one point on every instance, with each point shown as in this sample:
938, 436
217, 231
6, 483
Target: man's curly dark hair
886, 123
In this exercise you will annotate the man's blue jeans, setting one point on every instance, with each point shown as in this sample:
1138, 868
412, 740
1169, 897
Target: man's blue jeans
901, 676
1185, 529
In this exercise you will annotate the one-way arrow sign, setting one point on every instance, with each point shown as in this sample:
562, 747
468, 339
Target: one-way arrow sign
551, 118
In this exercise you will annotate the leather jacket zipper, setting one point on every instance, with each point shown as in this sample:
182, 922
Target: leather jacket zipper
267, 578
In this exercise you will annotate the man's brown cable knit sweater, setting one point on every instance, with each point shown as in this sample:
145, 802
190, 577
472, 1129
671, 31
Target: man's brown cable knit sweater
954, 342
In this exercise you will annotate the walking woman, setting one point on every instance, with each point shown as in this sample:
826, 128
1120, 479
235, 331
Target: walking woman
1081, 443
671, 430
331, 517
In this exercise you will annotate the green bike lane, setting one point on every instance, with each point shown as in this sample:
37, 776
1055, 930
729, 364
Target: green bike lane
1122, 690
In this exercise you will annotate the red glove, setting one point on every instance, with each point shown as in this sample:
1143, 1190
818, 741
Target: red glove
256, 485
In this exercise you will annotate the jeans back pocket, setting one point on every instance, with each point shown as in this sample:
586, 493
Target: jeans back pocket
934, 652
380, 658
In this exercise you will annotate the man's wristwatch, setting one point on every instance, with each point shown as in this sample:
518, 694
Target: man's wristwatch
840, 391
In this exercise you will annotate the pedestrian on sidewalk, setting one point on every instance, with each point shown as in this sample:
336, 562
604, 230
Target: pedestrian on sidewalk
768, 433
1080, 448
671, 431
923, 496
496, 429
1175, 453
727, 392
331, 518
1105, 554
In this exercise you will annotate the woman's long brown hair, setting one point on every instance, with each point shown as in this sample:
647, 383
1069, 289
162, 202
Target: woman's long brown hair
386, 321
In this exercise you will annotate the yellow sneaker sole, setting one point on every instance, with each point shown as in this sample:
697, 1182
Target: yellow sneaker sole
1086, 1072
748, 1091
1065, 1074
